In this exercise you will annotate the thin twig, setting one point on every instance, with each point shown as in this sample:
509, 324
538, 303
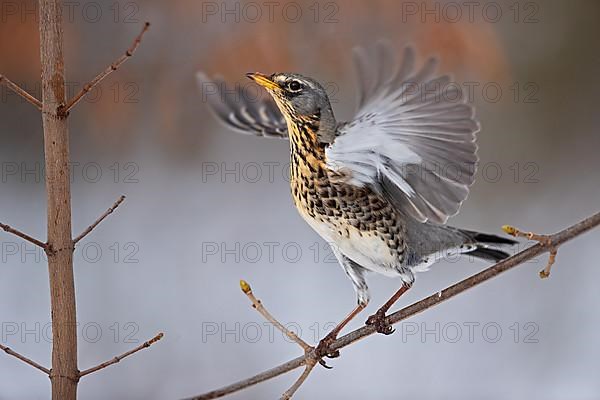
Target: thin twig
22, 235
517, 259
110, 69
122, 356
21, 92
310, 364
26, 360
543, 239
257, 304
100, 219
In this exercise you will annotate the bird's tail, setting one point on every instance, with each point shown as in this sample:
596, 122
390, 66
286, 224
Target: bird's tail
485, 244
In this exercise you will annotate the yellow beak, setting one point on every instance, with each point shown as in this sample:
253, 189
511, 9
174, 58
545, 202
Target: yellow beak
263, 80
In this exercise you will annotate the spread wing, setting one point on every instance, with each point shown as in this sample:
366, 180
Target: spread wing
413, 137
242, 111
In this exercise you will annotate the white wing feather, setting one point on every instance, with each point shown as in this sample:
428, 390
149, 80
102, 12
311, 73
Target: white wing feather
413, 137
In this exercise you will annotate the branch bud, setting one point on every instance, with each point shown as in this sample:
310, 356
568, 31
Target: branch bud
245, 286
510, 230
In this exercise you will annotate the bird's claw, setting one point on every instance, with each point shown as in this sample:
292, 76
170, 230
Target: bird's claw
323, 350
380, 322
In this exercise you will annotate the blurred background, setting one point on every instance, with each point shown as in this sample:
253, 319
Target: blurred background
206, 207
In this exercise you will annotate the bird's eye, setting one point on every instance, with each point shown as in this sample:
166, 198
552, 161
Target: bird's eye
294, 86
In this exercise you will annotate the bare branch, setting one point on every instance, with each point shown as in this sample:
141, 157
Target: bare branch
553, 242
310, 364
22, 235
21, 92
64, 110
257, 304
100, 219
543, 239
64, 371
256, 379
26, 360
122, 356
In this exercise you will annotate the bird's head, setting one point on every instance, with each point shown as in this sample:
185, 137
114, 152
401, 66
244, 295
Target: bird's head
300, 98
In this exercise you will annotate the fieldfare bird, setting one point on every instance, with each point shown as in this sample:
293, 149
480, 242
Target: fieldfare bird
379, 188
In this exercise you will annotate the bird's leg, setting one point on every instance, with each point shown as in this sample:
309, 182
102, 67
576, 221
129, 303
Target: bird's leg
323, 347
356, 274
379, 318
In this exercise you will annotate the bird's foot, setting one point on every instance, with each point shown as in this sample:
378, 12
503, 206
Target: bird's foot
379, 320
323, 349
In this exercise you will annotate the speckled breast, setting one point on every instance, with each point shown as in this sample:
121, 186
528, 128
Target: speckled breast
357, 222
